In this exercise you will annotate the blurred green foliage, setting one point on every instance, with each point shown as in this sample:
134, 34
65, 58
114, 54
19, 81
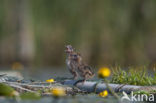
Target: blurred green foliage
6, 90
104, 31
135, 76
30, 96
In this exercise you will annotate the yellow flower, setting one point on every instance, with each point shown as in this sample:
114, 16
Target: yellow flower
58, 92
17, 66
104, 72
103, 94
50, 80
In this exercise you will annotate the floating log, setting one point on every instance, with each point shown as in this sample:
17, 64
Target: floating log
88, 86
91, 86
35, 87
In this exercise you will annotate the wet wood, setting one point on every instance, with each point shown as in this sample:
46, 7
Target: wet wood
41, 86
71, 88
91, 86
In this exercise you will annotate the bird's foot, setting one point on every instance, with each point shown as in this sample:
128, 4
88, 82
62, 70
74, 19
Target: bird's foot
79, 81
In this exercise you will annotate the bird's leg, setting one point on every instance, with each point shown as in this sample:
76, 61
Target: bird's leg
79, 81
74, 73
83, 80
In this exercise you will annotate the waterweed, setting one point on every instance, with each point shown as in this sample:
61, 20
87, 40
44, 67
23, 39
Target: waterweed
134, 76
104, 73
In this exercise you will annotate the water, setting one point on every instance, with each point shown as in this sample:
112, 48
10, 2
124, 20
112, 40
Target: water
42, 74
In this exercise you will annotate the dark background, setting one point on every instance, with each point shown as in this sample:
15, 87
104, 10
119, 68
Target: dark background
105, 32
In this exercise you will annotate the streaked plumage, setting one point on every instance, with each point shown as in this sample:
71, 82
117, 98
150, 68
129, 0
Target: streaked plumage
76, 65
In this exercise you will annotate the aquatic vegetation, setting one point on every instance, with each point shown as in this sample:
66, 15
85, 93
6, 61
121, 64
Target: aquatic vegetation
17, 66
142, 92
6, 90
58, 92
133, 76
30, 96
50, 80
104, 72
103, 93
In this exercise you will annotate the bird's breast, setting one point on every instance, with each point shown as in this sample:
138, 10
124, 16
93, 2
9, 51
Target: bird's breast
68, 62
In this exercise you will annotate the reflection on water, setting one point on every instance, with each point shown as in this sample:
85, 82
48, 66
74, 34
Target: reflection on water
45, 73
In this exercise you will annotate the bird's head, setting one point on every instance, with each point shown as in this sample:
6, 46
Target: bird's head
69, 49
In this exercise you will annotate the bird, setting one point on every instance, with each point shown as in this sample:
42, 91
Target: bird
76, 65
69, 62
84, 70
